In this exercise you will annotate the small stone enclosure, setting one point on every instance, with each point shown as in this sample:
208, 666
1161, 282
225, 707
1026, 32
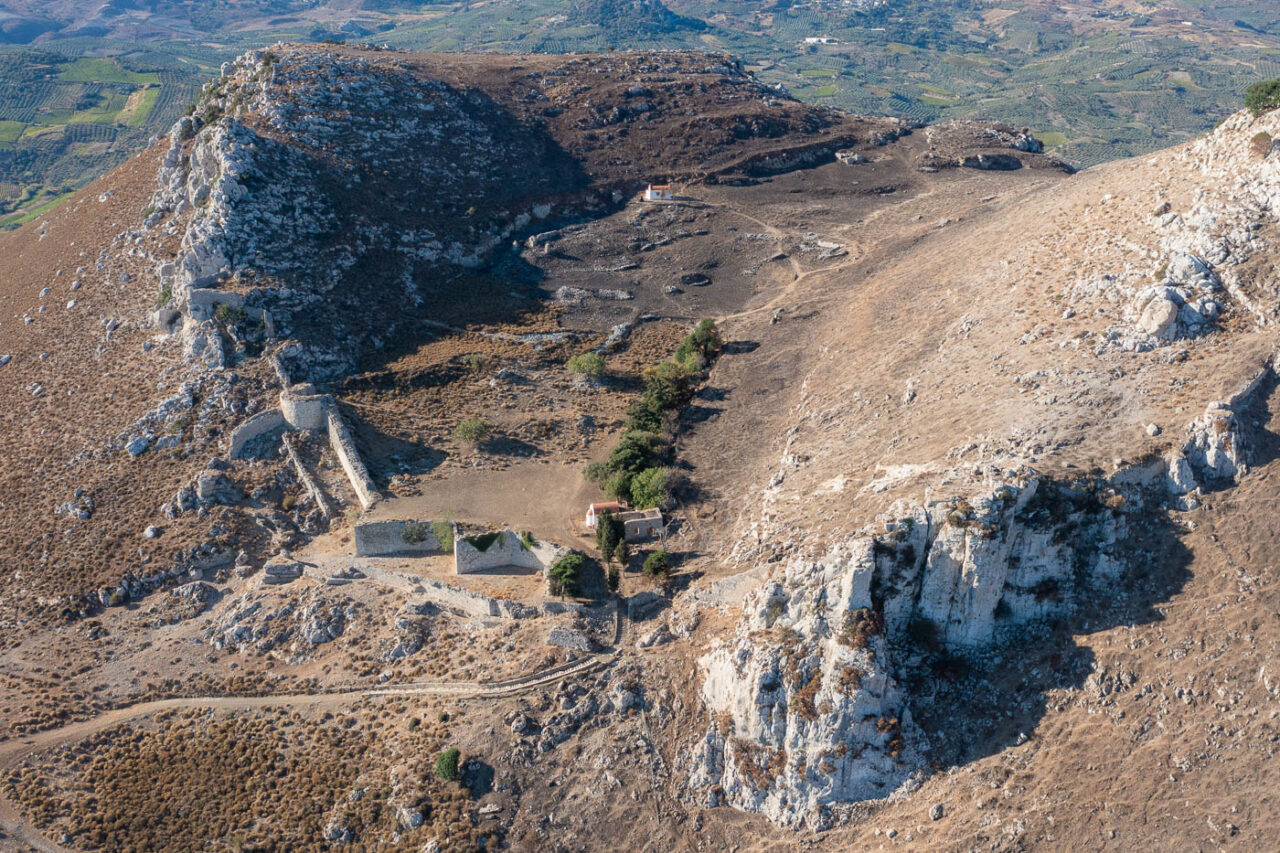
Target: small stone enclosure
502, 549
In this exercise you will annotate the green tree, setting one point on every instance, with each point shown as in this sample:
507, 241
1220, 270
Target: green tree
650, 488
1262, 96
587, 363
618, 486
635, 452
565, 575
657, 565
609, 532
666, 386
699, 347
615, 579
622, 553
447, 764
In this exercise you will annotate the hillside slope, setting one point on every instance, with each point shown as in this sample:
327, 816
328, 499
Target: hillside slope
972, 510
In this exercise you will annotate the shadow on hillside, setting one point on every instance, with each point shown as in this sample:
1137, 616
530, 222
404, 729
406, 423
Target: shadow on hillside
969, 711
386, 455
395, 243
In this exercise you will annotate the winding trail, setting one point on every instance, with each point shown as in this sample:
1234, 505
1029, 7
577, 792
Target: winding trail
17, 833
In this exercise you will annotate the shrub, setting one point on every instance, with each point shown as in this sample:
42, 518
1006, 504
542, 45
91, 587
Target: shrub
164, 297
615, 579
527, 540
656, 564
476, 361
472, 431
442, 528
415, 532
1262, 96
1260, 144
650, 488
923, 632
596, 472
565, 574
447, 764
860, 626
587, 363
621, 552
224, 314
483, 541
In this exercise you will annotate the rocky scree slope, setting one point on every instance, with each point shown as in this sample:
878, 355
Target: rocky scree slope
1153, 305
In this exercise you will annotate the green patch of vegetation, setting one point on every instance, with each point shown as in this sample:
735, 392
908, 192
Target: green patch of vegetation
587, 364
447, 764
481, 542
472, 431
106, 70
1261, 143
651, 488
527, 540
415, 532
825, 91
138, 117
657, 564
11, 130
565, 574
1051, 138
442, 529
164, 297
22, 217
819, 72
1263, 96
609, 532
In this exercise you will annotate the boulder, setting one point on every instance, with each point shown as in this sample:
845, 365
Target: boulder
214, 487
569, 638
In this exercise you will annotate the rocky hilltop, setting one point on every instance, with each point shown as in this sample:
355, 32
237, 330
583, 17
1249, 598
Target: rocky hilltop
969, 509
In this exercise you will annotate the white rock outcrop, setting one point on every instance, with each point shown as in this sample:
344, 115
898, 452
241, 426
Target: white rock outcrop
806, 712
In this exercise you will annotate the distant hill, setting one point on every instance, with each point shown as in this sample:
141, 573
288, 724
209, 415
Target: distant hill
627, 19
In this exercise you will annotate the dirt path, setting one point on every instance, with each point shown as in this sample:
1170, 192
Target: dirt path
17, 833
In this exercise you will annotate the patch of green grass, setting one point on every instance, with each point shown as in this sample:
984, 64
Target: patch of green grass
106, 70
22, 217
139, 115
819, 72
825, 91
1052, 138
11, 130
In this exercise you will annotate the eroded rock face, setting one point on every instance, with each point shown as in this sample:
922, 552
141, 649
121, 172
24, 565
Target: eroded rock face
808, 714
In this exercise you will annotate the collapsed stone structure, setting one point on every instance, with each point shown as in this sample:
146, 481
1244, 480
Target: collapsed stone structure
502, 549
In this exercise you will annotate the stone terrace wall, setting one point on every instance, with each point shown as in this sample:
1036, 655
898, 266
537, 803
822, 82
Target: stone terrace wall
506, 550
386, 538
256, 426
344, 445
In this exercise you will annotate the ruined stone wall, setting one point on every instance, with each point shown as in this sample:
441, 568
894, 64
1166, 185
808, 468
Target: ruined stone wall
506, 550
385, 538
305, 409
255, 427
344, 445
